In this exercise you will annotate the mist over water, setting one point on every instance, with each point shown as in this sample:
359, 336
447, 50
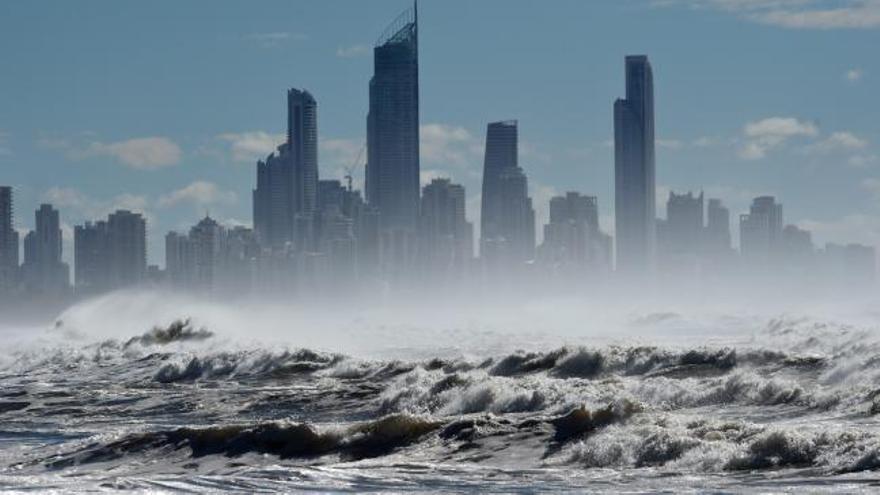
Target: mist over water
151, 390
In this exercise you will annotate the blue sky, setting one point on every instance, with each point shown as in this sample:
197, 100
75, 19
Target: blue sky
164, 106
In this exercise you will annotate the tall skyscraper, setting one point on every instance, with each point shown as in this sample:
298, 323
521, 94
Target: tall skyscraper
572, 238
634, 169
717, 228
683, 230
127, 243
302, 139
8, 242
517, 225
287, 181
111, 254
501, 155
392, 171
91, 258
274, 210
43, 269
446, 236
761, 230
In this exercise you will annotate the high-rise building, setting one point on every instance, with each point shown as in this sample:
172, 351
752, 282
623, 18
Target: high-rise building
501, 155
446, 237
572, 238
44, 272
91, 258
683, 230
111, 254
285, 198
634, 170
761, 230
717, 228
517, 222
273, 200
302, 140
8, 242
179, 260
392, 171
127, 243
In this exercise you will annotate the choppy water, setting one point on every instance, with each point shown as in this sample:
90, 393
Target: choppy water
791, 404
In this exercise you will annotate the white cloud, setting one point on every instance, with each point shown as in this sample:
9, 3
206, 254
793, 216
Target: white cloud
148, 153
252, 145
352, 51
199, 193
447, 145
765, 135
838, 141
863, 160
794, 14
853, 75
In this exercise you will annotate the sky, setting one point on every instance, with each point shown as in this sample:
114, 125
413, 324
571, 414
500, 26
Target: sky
163, 107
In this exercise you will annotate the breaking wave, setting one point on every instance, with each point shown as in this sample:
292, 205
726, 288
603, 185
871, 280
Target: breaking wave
804, 401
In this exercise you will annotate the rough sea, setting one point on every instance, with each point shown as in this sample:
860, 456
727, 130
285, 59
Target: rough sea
145, 393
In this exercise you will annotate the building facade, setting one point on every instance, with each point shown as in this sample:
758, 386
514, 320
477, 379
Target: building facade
634, 176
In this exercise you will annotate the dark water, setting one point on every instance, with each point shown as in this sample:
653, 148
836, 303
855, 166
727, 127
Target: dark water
796, 407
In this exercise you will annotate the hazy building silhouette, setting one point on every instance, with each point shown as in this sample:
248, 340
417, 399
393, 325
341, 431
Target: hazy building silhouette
572, 238
179, 260
285, 198
446, 237
850, 266
507, 227
302, 140
517, 222
502, 154
717, 236
8, 242
127, 243
392, 170
91, 258
273, 200
761, 230
634, 169
44, 272
682, 233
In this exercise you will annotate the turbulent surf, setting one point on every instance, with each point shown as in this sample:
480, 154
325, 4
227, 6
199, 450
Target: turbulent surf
790, 402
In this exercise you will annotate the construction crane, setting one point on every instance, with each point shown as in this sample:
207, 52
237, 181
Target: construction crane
350, 169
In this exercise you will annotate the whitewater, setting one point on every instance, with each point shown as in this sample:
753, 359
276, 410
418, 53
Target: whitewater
148, 392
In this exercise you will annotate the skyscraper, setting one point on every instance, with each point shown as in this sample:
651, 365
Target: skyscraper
683, 230
517, 225
501, 155
761, 230
572, 238
274, 210
8, 241
127, 244
392, 171
91, 257
717, 228
43, 269
446, 236
111, 254
302, 139
634, 169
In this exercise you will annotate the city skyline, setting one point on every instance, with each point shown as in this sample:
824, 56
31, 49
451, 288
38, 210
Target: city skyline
182, 202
